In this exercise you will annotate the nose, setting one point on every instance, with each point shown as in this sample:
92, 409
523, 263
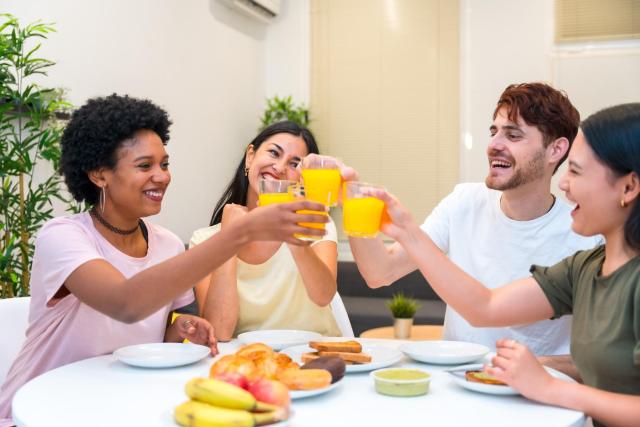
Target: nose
563, 183
161, 176
280, 166
495, 144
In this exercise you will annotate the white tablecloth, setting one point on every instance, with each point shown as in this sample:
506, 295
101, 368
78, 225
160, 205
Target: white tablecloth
102, 391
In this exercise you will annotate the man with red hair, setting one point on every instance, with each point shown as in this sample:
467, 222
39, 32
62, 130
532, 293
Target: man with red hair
495, 230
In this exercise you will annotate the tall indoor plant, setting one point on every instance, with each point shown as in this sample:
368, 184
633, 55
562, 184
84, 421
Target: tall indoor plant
30, 135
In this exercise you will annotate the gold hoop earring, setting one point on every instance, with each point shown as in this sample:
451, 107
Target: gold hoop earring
623, 204
246, 171
103, 198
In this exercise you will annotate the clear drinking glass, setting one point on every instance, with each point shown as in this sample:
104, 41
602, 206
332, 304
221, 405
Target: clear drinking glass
361, 212
321, 177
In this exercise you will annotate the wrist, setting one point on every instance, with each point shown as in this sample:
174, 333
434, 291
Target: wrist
240, 231
409, 234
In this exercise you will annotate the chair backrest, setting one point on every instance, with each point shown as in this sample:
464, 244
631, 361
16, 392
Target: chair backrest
341, 316
14, 318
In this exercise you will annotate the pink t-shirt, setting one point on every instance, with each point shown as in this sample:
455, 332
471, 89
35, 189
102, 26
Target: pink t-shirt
63, 331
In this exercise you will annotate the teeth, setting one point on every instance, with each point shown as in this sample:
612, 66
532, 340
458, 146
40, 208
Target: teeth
154, 193
498, 163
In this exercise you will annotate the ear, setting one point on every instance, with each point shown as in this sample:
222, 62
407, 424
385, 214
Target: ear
248, 157
98, 177
631, 188
557, 149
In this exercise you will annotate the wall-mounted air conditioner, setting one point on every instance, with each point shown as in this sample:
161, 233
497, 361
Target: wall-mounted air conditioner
262, 10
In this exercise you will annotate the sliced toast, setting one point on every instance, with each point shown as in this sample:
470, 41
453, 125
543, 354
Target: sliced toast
341, 346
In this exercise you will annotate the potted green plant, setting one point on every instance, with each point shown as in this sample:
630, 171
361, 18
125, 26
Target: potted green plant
279, 109
403, 309
30, 136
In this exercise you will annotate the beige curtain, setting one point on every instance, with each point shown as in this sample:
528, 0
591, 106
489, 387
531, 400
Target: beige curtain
384, 93
586, 20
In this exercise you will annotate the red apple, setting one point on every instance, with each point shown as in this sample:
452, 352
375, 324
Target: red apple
234, 378
270, 391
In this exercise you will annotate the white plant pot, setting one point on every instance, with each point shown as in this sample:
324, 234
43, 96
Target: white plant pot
402, 328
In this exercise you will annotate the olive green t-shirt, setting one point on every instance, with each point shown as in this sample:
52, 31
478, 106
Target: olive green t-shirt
605, 338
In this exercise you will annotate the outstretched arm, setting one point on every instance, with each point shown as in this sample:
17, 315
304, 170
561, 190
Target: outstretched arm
380, 265
522, 301
100, 285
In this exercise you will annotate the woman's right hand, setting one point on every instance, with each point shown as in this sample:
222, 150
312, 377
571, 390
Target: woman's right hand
279, 222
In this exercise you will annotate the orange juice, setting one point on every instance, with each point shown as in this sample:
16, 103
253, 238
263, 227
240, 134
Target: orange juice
322, 185
316, 225
362, 216
266, 199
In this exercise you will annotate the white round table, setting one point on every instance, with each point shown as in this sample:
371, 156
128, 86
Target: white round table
102, 391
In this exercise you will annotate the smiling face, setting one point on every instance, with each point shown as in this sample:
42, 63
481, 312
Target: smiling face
276, 158
136, 186
595, 190
516, 153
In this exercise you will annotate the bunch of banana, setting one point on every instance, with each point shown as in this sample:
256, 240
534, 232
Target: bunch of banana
219, 404
198, 414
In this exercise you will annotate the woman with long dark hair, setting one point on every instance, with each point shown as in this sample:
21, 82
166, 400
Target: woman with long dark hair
268, 285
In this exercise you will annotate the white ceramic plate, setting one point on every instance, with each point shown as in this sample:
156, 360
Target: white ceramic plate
381, 357
278, 339
301, 394
161, 355
444, 352
458, 376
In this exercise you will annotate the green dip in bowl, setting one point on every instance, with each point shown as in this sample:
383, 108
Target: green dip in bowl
402, 382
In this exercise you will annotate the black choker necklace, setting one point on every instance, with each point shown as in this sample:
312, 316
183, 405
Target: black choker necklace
101, 220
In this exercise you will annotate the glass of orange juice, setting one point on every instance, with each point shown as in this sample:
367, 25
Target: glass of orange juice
361, 212
298, 193
321, 177
275, 191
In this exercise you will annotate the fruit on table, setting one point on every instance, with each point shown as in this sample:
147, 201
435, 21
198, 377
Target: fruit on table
334, 364
305, 379
198, 414
270, 391
234, 378
222, 394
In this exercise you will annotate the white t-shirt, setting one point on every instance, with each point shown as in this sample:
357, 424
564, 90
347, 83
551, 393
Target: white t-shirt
470, 227
272, 295
63, 331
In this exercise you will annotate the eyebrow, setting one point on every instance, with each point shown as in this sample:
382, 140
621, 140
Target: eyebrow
507, 127
574, 164
282, 151
137, 159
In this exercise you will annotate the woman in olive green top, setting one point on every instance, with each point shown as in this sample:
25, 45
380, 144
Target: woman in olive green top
600, 287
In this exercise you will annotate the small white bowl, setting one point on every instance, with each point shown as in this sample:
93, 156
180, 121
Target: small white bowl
401, 382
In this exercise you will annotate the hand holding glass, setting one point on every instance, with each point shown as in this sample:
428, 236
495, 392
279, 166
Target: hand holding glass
283, 191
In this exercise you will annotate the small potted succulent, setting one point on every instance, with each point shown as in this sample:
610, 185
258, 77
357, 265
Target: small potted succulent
403, 309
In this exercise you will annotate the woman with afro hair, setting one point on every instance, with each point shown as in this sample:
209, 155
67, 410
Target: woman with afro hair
108, 278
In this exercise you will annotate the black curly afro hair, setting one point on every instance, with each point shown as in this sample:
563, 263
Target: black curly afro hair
95, 133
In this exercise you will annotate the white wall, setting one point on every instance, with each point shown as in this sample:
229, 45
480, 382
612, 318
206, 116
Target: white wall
502, 42
205, 64
288, 50
511, 41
